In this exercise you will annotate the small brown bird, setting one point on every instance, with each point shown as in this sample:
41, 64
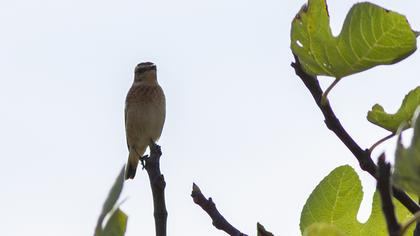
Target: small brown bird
144, 114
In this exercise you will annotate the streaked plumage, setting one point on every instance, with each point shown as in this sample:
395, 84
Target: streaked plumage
144, 114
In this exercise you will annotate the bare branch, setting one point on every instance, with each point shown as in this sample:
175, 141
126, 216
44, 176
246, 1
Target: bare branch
210, 207
157, 183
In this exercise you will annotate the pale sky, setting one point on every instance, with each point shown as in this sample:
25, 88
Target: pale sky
239, 123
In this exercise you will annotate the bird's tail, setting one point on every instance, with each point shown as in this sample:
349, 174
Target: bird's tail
133, 161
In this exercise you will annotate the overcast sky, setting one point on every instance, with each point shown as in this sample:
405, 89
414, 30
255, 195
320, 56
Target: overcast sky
239, 123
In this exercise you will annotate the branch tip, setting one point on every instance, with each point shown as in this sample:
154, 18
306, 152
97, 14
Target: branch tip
157, 184
218, 221
195, 188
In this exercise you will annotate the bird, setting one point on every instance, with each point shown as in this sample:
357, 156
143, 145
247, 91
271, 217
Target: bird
145, 111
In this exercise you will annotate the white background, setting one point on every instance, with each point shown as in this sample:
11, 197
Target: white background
239, 123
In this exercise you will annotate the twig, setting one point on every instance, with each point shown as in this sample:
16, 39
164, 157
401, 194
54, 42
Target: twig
208, 206
384, 188
157, 183
332, 122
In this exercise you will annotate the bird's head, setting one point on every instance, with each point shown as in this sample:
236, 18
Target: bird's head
145, 72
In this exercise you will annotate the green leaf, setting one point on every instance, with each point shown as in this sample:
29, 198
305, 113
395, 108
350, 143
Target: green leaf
403, 116
407, 163
370, 36
116, 225
114, 193
321, 229
336, 200
111, 200
261, 231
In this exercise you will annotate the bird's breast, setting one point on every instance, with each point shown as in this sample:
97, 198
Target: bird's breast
145, 113
145, 94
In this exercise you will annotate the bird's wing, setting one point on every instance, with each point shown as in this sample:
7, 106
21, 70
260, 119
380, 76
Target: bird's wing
125, 123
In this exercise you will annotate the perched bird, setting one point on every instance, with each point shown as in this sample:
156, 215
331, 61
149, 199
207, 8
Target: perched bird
144, 114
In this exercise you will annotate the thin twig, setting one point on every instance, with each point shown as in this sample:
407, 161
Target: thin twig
332, 122
384, 188
157, 184
208, 206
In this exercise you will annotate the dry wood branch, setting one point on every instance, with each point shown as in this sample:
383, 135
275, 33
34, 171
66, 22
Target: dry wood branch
157, 184
208, 206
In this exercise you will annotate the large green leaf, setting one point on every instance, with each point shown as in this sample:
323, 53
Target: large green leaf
110, 202
336, 201
321, 229
403, 116
407, 163
370, 36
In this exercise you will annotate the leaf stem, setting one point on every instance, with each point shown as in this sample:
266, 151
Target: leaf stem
406, 225
381, 141
324, 98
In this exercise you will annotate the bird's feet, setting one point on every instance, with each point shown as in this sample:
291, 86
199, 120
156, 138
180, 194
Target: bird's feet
143, 160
